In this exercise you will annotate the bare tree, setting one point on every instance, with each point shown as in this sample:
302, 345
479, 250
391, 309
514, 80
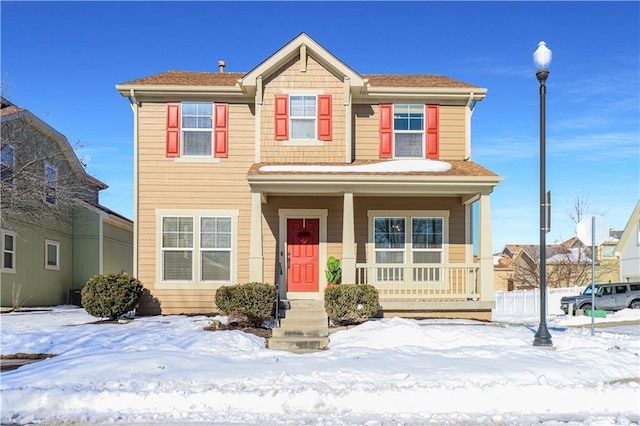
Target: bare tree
42, 178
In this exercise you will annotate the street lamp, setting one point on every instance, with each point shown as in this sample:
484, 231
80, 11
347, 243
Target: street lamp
542, 59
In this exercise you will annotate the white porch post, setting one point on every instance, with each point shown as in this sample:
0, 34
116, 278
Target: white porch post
348, 241
255, 248
485, 250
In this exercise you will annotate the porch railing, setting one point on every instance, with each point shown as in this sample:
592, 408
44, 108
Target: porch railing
420, 281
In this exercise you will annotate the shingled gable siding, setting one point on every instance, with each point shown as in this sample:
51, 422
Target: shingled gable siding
289, 77
220, 127
165, 183
451, 143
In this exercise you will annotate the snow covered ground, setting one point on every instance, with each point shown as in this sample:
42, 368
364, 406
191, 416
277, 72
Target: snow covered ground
169, 370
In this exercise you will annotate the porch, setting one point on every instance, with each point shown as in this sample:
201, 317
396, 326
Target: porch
383, 227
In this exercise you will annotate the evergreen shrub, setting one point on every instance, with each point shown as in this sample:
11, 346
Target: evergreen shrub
351, 303
111, 295
251, 302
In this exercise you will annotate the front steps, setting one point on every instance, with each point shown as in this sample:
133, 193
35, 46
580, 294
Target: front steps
304, 328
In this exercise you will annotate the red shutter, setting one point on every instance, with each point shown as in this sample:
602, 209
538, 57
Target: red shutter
324, 117
221, 131
386, 131
173, 130
282, 117
432, 132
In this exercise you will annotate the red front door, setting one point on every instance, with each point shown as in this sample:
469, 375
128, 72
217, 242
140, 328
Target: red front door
303, 248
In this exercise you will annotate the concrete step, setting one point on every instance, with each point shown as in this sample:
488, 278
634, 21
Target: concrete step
296, 314
310, 321
298, 344
300, 331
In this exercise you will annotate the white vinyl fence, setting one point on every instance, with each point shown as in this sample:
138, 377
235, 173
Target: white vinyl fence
527, 302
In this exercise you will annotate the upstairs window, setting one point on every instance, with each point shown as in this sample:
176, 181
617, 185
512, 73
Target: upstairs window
303, 117
50, 182
8, 161
197, 128
409, 131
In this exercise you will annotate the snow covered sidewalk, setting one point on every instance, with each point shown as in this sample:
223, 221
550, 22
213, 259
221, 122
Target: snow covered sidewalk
159, 370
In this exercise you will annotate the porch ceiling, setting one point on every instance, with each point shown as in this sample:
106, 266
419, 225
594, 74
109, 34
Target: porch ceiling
464, 179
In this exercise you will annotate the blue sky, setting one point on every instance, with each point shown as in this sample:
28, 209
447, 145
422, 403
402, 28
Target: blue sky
62, 60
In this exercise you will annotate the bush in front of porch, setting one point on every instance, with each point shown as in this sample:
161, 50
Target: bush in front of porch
250, 302
351, 303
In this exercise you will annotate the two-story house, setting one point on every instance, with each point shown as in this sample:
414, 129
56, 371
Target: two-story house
261, 176
55, 235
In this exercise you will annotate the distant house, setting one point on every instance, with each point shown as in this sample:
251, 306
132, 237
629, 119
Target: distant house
568, 264
628, 248
55, 234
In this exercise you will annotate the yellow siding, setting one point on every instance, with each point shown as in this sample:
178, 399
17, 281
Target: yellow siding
315, 78
167, 183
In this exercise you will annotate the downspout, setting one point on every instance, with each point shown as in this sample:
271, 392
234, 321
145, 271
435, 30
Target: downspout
468, 112
133, 102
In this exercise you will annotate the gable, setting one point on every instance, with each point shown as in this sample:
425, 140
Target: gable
301, 47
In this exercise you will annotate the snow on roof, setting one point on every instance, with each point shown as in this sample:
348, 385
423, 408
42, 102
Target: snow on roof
571, 255
403, 166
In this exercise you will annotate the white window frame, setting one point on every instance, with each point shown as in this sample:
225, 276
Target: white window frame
294, 118
397, 132
176, 249
408, 216
50, 184
428, 274
203, 250
196, 281
5, 165
184, 129
47, 244
12, 269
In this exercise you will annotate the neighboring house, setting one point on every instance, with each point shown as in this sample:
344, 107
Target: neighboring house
263, 175
568, 264
628, 248
55, 234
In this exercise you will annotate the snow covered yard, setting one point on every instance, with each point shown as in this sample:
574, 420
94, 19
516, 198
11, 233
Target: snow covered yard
161, 370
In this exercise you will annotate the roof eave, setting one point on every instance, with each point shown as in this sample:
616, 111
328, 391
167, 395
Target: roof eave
476, 93
143, 91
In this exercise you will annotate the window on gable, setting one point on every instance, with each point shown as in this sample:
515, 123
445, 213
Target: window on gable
8, 251
8, 164
51, 254
408, 130
197, 128
302, 116
50, 182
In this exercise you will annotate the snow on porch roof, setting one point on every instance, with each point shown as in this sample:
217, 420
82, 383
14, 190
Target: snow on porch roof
398, 167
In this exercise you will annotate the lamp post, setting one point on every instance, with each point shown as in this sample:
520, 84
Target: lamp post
542, 59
